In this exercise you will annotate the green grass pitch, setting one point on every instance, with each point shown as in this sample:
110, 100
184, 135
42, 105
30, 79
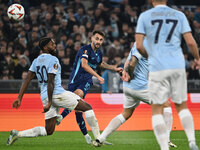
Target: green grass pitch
122, 140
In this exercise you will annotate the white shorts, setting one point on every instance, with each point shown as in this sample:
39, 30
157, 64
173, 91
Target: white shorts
67, 100
132, 97
168, 83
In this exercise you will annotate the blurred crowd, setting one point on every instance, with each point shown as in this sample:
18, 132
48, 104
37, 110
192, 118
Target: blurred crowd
71, 24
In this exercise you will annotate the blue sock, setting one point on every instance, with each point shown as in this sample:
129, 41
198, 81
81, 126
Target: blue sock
81, 122
65, 112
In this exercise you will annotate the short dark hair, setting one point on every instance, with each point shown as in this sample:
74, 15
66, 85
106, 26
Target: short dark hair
43, 42
98, 32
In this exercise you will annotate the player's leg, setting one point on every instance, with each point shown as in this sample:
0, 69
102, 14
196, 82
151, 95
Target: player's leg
159, 92
72, 88
34, 132
62, 116
179, 97
114, 124
159, 126
80, 120
80, 90
131, 101
167, 114
187, 123
168, 118
89, 116
70, 102
50, 120
65, 112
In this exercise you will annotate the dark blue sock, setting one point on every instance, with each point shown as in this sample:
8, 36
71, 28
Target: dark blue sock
65, 112
81, 122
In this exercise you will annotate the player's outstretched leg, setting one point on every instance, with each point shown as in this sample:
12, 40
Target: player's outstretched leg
114, 124
62, 116
82, 126
34, 132
89, 116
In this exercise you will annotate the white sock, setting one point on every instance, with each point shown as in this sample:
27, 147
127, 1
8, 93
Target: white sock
167, 115
112, 126
187, 123
160, 131
92, 121
34, 132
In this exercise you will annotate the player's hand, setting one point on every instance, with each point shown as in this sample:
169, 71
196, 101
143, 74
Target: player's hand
101, 80
16, 103
125, 76
119, 69
197, 63
47, 107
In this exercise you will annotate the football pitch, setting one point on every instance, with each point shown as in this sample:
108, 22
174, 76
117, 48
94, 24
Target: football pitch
122, 140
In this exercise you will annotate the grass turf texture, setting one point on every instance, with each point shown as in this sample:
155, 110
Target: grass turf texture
122, 140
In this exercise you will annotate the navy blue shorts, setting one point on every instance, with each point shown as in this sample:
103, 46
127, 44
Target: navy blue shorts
84, 86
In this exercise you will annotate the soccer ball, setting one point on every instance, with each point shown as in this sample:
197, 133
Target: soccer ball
16, 12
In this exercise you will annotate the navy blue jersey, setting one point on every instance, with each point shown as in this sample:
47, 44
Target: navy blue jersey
94, 59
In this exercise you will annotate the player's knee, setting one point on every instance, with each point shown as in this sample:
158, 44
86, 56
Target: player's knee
181, 106
89, 107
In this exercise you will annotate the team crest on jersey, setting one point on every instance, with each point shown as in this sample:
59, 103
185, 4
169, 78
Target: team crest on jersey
55, 66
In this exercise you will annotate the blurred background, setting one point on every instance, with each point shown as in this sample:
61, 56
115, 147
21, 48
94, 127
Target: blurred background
70, 23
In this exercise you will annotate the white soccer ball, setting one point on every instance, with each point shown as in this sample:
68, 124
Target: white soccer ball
16, 12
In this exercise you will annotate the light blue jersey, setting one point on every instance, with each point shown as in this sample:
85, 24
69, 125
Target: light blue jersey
140, 80
42, 65
163, 28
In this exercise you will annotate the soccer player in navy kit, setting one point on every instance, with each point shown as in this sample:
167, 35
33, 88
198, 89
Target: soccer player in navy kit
86, 61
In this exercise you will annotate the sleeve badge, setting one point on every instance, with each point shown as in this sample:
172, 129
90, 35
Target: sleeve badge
85, 52
55, 66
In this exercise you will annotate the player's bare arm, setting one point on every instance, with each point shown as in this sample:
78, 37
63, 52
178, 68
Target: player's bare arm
50, 88
193, 47
140, 47
110, 67
125, 76
129, 68
86, 67
23, 88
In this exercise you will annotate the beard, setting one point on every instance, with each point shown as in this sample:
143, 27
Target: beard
96, 46
54, 53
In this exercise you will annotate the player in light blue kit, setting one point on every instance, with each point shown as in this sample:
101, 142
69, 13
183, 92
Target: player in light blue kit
163, 27
48, 71
135, 88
